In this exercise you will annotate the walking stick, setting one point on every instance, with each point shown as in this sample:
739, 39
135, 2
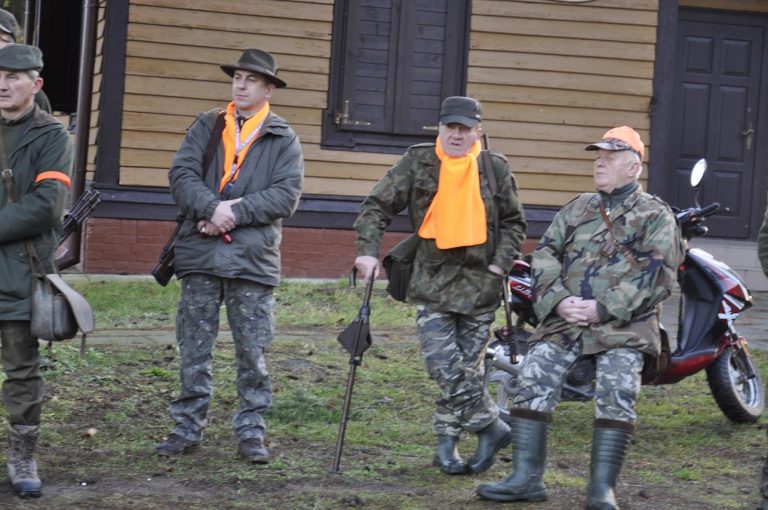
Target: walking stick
356, 339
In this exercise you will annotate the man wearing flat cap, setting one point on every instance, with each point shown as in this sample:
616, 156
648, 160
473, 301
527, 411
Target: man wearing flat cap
39, 155
9, 34
458, 268
599, 274
228, 249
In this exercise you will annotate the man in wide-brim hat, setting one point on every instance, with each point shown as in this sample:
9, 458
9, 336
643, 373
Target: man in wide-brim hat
228, 249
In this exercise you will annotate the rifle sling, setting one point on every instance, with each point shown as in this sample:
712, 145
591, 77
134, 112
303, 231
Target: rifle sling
626, 251
487, 167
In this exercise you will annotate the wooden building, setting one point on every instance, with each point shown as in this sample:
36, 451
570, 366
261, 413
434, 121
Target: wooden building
365, 78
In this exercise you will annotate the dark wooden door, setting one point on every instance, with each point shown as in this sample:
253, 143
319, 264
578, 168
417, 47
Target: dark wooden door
717, 93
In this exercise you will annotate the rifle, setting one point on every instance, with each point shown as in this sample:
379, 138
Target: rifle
80, 212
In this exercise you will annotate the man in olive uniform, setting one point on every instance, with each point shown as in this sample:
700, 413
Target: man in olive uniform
457, 273
599, 272
39, 155
9, 34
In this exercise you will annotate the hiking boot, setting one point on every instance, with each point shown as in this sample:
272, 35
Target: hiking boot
447, 456
253, 451
176, 445
22, 468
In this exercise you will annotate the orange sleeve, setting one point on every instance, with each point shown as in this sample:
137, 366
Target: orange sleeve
52, 174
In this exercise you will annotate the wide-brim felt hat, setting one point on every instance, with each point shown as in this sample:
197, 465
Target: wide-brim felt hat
257, 61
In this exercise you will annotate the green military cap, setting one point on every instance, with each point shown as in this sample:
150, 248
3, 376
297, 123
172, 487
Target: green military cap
8, 23
21, 57
466, 111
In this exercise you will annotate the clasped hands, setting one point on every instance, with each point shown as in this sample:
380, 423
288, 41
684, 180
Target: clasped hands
578, 311
222, 221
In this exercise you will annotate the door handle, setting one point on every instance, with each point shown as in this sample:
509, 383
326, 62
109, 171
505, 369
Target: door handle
748, 134
342, 118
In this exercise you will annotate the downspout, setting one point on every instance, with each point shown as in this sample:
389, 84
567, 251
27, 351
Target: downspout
82, 122
29, 20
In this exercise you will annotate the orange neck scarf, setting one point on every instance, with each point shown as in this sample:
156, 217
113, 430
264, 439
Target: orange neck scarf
235, 149
456, 216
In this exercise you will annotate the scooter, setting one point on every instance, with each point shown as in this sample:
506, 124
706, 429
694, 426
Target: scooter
712, 296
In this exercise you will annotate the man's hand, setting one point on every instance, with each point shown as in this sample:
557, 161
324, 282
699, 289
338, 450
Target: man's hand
367, 266
493, 268
576, 310
223, 217
207, 228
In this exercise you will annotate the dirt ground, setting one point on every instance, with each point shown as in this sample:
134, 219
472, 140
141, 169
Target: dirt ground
372, 478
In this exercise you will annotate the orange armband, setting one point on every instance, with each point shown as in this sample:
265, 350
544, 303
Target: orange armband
52, 174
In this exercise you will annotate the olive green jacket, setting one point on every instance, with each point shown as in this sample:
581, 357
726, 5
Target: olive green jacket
453, 280
42, 144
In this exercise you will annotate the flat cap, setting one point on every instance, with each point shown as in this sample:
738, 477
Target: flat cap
9, 24
466, 111
21, 57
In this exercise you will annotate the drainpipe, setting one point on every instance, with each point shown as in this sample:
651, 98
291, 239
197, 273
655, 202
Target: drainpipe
82, 122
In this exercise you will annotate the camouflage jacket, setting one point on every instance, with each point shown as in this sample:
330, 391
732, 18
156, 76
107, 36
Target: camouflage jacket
762, 244
576, 257
454, 280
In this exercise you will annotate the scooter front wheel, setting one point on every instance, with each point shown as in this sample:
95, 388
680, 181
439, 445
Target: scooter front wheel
740, 398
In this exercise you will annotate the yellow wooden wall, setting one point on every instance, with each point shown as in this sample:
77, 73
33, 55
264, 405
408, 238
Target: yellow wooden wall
552, 77
93, 130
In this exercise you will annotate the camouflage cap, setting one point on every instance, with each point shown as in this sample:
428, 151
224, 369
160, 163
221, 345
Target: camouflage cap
21, 57
622, 138
462, 110
9, 24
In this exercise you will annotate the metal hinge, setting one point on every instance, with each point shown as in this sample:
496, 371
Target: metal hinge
342, 118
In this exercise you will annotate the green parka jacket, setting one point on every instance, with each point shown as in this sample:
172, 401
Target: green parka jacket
454, 280
42, 144
270, 182
576, 257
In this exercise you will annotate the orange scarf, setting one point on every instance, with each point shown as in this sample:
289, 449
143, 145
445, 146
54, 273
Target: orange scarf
248, 132
456, 216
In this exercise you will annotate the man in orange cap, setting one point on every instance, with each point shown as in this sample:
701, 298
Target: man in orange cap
599, 273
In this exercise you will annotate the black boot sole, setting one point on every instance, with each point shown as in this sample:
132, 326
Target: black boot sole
455, 468
500, 496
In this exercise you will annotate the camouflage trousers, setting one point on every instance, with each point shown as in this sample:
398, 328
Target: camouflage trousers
764, 486
250, 313
23, 385
546, 366
453, 346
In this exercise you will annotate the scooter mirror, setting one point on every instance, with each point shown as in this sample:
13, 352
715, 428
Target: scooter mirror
697, 172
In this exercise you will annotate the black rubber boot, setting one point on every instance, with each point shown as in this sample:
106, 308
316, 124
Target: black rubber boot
609, 446
529, 454
447, 456
490, 440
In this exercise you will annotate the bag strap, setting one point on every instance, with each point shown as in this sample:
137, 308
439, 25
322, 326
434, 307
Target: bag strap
213, 142
627, 253
7, 172
486, 164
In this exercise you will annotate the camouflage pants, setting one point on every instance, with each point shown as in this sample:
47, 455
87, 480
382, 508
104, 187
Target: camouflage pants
23, 385
618, 379
453, 346
250, 313
764, 486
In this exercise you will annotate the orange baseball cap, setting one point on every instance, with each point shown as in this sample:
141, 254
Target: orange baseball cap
622, 138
